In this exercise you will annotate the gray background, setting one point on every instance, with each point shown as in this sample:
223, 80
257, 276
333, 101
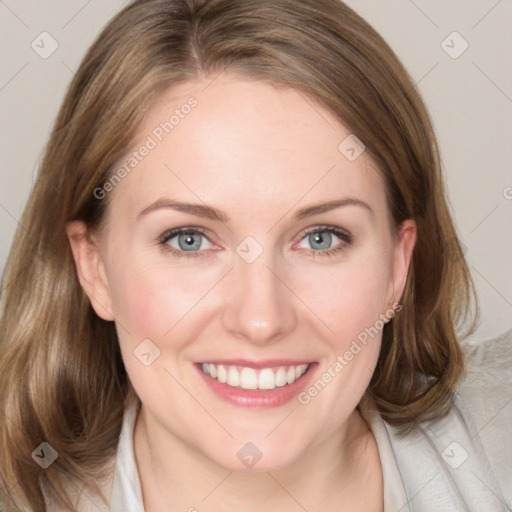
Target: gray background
469, 97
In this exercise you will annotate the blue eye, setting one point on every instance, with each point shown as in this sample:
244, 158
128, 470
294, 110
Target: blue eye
320, 240
193, 242
185, 241
325, 240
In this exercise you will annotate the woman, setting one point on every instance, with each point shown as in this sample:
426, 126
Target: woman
237, 283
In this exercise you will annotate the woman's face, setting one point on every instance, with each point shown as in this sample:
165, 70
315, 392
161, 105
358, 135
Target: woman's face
287, 259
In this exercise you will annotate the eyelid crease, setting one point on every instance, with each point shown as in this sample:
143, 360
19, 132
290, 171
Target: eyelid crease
341, 233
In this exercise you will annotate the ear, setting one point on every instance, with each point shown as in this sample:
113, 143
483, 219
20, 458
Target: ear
404, 244
90, 268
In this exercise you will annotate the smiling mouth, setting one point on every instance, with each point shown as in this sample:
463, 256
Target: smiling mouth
251, 378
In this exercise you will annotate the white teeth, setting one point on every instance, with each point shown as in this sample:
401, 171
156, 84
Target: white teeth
222, 374
249, 378
267, 379
299, 370
233, 377
281, 377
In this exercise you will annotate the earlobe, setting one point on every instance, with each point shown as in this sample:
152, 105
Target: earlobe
90, 268
404, 247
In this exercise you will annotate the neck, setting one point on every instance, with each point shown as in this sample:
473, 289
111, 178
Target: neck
177, 476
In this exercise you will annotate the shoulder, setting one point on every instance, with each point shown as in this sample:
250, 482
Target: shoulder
443, 464
486, 392
461, 461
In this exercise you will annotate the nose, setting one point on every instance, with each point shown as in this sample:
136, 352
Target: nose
260, 306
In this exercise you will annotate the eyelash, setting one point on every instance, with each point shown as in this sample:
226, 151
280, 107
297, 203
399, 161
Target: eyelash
345, 236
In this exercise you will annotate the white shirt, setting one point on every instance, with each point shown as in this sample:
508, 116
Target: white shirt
439, 466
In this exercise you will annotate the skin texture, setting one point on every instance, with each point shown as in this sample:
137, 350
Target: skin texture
259, 153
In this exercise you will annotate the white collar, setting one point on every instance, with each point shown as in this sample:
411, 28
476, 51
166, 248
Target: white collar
422, 472
126, 489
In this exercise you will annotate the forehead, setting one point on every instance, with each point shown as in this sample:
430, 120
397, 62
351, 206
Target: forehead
234, 141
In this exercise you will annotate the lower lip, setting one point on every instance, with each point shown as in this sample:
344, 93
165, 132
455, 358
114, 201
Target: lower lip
257, 397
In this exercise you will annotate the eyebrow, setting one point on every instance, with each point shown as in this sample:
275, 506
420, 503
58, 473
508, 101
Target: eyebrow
209, 212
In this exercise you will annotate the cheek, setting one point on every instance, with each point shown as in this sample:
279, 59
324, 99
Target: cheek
352, 304
149, 300
154, 299
351, 299
149, 295
141, 302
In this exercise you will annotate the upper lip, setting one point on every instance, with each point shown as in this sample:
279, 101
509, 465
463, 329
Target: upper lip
266, 363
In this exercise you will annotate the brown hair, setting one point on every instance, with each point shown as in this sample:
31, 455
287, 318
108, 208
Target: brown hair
62, 377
